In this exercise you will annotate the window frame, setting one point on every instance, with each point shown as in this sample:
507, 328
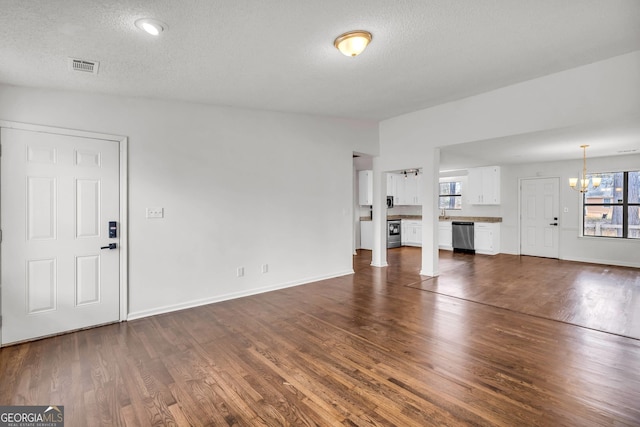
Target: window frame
440, 195
624, 205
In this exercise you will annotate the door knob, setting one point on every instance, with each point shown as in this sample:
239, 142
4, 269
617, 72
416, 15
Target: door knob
554, 223
111, 246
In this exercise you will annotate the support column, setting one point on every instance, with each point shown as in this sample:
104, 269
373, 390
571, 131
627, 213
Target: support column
379, 254
430, 191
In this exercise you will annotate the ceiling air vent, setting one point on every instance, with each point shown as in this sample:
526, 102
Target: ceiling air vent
83, 65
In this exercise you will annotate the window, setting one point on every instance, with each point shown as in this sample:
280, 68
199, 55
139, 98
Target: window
613, 208
450, 195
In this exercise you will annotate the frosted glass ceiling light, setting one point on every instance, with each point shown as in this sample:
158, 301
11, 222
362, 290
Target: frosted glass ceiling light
151, 26
352, 43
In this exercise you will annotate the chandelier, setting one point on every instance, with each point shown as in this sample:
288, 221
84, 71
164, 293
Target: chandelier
583, 180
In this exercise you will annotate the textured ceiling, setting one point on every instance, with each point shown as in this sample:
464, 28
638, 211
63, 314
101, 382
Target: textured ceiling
279, 54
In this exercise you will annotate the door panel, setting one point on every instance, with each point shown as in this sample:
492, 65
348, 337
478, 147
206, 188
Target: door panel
539, 207
87, 279
41, 285
58, 194
41, 208
88, 208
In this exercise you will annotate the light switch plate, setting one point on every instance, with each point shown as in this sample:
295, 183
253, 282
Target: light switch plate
155, 212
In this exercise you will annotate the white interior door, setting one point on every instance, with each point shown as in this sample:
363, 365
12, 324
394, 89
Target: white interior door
539, 215
58, 194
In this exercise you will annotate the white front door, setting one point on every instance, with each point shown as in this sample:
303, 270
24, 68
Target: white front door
539, 215
58, 195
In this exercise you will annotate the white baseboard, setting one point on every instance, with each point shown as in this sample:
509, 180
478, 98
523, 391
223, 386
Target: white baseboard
429, 273
379, 265
603, 261
481, 252
589, 260
510, 252
219, 298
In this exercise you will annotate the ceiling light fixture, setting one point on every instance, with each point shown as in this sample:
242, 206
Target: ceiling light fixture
353, 43
151, 26
584, 181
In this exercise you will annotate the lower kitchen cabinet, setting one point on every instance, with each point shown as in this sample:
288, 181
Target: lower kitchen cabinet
411, 232
366, 235
486, 238
445, 238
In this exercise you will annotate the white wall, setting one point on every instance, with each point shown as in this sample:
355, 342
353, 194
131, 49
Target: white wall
572, 246
596, 92
405, 210
239, 188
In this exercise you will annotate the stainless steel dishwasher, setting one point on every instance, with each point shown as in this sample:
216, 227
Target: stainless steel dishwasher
462, 236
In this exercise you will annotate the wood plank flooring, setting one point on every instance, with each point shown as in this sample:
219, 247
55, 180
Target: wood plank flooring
602, 297
372, 349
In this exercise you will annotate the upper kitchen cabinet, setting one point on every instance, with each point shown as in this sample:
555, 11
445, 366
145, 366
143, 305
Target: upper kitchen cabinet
407, 188
365, 193
484, 186
392, 179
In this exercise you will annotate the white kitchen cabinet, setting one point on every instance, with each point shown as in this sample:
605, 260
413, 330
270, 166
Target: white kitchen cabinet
411, 232
418, 194
404, 232
445, 237
408, 189
399, 198
391, 185
486, 238
365, 184
410, 186
484, 186
366, 235
417, 235
395, 188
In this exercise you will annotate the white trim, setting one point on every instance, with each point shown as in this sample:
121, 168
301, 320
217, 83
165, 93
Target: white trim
123, 167
124, 229
60, 131
603, 262
429, 273
230, 296
609, 239
379, 265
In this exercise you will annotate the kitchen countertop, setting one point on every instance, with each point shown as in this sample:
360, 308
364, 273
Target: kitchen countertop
471, 218
441, 218
396, 217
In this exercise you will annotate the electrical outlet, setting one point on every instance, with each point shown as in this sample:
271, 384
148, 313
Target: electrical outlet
155, 212
265, 268
240, 272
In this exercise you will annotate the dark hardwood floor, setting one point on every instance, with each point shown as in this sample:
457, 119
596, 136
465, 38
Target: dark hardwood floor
602, 297
382, 347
